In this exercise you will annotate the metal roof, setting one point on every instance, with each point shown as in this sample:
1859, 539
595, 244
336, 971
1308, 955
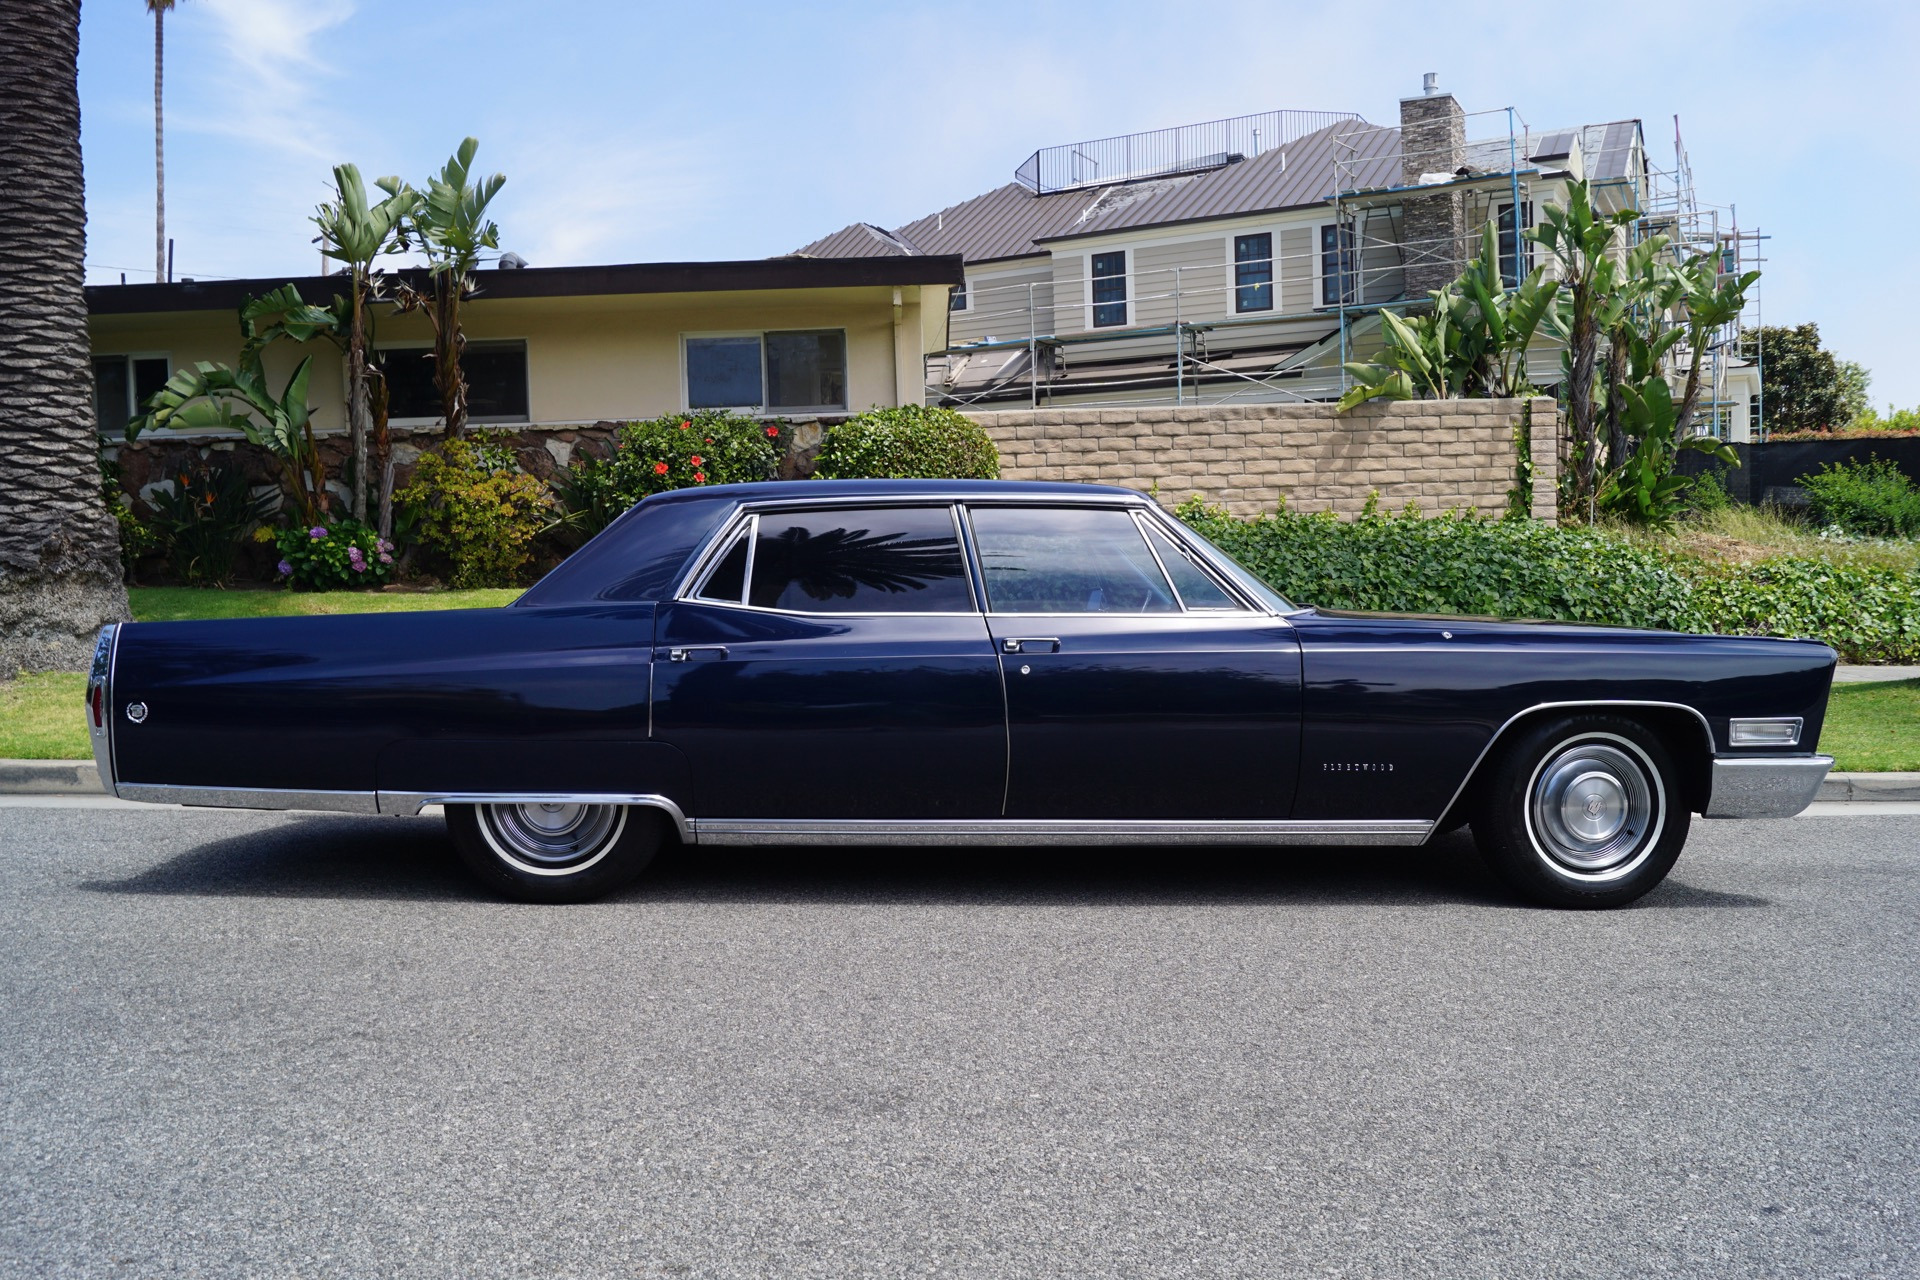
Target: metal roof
1012, 222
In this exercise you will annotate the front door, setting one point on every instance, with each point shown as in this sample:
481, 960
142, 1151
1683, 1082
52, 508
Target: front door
833, 664
1138, 686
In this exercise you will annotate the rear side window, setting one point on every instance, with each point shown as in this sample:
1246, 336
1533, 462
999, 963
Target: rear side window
1063, 560
859, 560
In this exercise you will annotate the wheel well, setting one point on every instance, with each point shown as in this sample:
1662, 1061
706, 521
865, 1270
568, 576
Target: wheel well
1680, 731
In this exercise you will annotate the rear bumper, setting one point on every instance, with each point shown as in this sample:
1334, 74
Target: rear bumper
1765, 786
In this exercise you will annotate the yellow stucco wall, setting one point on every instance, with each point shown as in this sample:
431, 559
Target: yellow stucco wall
593, 358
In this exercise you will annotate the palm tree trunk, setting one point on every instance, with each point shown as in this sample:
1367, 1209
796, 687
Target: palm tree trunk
159, 151
59, 548
357, 393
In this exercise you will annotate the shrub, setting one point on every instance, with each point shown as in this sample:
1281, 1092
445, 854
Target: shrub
1459, 564
202, 521
472, 503
911, 442
674, 451
1706, 493
328, 557
1868, 499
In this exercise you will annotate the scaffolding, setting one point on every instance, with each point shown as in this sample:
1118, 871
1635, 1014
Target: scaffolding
1283, 326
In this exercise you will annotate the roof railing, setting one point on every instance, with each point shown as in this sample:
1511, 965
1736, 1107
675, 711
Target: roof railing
1162, 153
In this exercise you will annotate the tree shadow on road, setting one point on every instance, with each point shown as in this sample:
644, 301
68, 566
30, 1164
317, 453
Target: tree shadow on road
391, 858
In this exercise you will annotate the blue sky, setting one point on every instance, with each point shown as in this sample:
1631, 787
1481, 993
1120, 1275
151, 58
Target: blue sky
639, 132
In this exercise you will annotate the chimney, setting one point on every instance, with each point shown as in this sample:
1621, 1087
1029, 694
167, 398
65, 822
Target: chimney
1433, 145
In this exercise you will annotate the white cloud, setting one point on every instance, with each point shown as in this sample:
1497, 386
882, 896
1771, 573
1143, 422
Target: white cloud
272, 78
578, 197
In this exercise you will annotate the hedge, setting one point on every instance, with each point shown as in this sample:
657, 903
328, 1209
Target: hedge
1462, 564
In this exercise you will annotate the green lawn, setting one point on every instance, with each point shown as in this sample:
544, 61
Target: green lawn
1874, 728
42, 717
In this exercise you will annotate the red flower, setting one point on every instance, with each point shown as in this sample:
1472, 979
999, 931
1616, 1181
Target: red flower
699, 477
696, 459
709, 439
773, 431
659, 468
685, 425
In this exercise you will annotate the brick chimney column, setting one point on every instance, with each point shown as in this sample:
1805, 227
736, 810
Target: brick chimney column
1433, 140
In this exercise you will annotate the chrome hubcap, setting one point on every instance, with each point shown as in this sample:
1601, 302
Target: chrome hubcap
552, 838
1594, 809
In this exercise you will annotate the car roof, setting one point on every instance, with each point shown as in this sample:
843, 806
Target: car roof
767, 490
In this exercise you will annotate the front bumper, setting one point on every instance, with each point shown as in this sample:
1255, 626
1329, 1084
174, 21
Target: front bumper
1765, 786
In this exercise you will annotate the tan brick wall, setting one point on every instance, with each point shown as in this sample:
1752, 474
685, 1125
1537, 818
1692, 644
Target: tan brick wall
1441, 454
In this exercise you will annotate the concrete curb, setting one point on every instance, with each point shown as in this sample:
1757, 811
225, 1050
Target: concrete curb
49, 778
80, 777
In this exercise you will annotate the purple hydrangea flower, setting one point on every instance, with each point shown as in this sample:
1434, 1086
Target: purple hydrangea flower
286, 569
385, 558
317, 532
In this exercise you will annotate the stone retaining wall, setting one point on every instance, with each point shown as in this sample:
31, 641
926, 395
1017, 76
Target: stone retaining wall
1441, 454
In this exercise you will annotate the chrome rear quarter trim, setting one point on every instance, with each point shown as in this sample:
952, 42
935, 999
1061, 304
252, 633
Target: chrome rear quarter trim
1016, 831
1765, 786
245, 798
410, 802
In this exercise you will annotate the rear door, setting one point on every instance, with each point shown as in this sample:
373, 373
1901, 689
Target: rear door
833, 663
1138, 685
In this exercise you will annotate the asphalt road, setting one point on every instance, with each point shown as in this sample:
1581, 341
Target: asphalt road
237, 1044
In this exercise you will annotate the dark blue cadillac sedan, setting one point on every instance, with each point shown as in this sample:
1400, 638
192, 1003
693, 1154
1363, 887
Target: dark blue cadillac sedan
937, 662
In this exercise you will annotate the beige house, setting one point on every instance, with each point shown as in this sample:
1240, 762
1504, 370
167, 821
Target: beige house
561, 346
1247, 260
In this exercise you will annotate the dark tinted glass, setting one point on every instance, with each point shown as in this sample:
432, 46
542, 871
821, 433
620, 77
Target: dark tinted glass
724, 373
150, 373
729, 577
1109, 289
409, 374
899, 560
807, 370
1253, 272
1059, 560
1336, 264
496, 374
1197, 590
110, 395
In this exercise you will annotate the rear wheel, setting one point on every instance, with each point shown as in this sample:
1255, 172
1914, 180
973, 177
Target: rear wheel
1582, 811
555, 851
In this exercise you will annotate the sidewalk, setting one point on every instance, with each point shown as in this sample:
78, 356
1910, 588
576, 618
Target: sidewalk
1858, 675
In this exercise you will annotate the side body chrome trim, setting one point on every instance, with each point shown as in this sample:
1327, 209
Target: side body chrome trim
101, 676
1765, 786
1019, 831
243, 798
411, 802
1706, 731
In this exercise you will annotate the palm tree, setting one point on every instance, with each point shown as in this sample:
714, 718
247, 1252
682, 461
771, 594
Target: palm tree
159, 9
59, 547
450, 222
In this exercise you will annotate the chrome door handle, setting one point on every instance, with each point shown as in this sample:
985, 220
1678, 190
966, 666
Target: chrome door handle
1018, 644
685, 653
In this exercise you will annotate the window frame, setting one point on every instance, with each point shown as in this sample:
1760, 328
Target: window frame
763, 409
1142, 521
1241, 288
1347, 251
960, 298
1522, 255
127, 359
1125, 300
748, 519
505, 420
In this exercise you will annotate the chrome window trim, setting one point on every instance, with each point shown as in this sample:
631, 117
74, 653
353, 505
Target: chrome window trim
1147, 528
1736, 723
742, 530
1223, 567
1706, 732
1018, 831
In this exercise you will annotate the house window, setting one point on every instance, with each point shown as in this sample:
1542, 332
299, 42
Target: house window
496, 374
1516, 255
957, 300
121, 385
1253, 272
1109, 289
796, 370
1339, 265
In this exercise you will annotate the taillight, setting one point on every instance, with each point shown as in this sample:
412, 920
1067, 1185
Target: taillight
97, 700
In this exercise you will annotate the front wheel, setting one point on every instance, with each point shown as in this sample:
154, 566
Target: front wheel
1582, 811
555, 852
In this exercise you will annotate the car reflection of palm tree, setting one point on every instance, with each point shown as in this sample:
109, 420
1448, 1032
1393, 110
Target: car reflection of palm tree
839, 563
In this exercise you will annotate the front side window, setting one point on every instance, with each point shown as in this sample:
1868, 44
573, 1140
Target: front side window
121, 385
860, 560
791, 370
1109, 289
1338, 264
1062, 560
496, 374
1253, 272
1196, 586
